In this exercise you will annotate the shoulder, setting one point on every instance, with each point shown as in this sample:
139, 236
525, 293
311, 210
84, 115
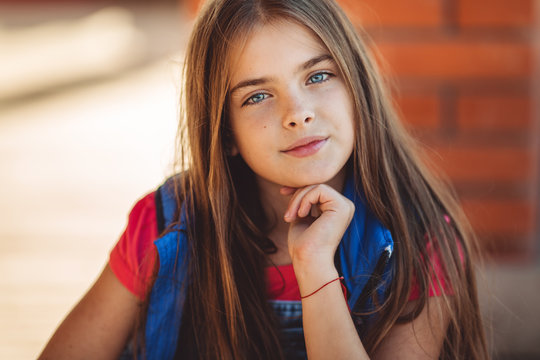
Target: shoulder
143, 212
142, 220
439, 279
134, 257
166, 203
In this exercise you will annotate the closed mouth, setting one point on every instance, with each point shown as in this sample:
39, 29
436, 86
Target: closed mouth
305, 142
306, 146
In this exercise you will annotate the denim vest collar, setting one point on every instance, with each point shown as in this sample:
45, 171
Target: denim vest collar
363, 245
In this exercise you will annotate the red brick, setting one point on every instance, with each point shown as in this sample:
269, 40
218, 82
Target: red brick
508, 217
510, 253
192, 6
496, 13
484, 164
394, 13
451, 59
508, 248
492, 114
420, 111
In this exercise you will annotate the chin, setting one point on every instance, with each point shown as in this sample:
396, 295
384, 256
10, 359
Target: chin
312, 179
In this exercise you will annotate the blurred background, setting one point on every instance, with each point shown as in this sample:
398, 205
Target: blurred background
88, 116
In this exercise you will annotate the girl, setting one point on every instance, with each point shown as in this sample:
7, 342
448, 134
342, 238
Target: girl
304, 225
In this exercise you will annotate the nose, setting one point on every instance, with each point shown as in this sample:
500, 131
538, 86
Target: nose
298, 112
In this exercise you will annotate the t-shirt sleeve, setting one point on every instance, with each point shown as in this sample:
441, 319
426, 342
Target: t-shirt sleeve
134, 256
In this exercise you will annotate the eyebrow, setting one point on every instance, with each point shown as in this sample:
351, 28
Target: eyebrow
308, 64
312, 62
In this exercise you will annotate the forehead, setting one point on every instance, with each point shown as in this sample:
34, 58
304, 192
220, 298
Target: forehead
273, 46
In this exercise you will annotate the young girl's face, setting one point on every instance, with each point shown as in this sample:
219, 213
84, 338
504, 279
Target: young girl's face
291, 113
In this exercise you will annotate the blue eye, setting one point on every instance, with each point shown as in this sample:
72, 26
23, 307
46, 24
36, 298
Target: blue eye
255, 99
318, 78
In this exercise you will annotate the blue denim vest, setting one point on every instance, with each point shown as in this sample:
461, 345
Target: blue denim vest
365, 248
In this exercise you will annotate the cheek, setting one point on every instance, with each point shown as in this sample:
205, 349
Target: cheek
347, 125
253, 124
247, 135
347, 107
339, 105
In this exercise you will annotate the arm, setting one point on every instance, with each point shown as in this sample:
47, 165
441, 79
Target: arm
328, 327
421, 338
99, 326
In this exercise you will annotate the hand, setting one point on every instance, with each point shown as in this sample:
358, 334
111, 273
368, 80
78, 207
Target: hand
318, 217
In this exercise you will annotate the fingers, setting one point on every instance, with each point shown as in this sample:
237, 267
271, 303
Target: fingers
305, 207
295, 204
315, 212
313, 200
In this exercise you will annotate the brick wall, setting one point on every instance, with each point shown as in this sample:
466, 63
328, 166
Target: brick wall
467, 78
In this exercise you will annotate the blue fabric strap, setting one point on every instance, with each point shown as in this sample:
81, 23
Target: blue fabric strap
363, 245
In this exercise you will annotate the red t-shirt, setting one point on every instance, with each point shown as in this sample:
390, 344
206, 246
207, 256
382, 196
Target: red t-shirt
134, 257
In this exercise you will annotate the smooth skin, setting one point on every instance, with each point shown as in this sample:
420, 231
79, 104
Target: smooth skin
99, 326
277, 101
284, 99
328, 328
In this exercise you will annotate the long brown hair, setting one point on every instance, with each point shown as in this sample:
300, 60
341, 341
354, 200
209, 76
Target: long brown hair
227, 314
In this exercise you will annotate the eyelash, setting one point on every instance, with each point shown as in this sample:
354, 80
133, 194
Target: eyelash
328, 75
324, 73
250, 102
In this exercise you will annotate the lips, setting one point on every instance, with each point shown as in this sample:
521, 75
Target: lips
306, 146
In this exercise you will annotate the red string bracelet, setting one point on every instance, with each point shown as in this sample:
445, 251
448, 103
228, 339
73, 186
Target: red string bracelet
331, 281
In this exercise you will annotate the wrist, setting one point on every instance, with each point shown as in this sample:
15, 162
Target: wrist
313, 265
311, 276
312, 259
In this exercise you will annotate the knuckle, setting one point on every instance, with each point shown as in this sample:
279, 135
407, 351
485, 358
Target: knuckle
318, 187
